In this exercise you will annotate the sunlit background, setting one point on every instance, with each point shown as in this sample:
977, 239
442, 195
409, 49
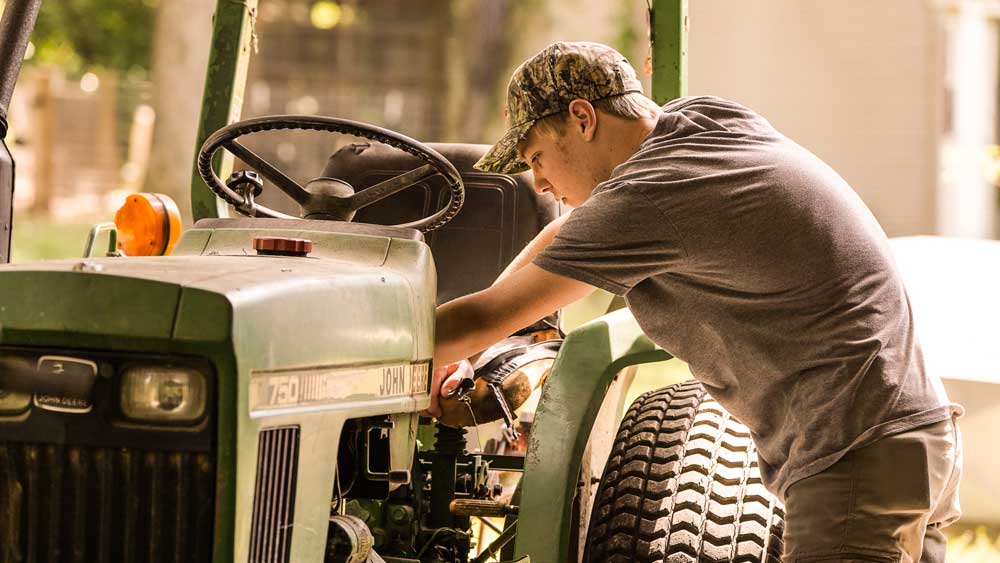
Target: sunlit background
900, 96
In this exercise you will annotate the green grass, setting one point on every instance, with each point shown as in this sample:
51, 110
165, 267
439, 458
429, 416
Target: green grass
42, 238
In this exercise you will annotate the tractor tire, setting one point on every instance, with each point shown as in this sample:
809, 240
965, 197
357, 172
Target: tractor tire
682, 485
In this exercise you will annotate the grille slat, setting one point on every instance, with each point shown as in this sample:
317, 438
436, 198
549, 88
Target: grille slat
204, 515
80, 511
277, 494
104, 478
274, 495
33, 503
130, 478
10, 505
286, 499
268, 498
52, 522
179, 468
154, 467
85, 504
283, 480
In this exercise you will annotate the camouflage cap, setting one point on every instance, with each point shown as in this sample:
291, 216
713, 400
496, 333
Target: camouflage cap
545, 85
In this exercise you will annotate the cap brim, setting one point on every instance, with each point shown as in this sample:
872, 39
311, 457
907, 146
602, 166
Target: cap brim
502, 157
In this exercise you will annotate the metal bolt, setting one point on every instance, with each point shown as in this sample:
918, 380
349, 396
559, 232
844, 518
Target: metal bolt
87, 267
397, 514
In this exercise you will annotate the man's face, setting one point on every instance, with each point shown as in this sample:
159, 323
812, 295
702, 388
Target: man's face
559, 163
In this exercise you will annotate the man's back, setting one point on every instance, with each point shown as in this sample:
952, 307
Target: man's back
746, 256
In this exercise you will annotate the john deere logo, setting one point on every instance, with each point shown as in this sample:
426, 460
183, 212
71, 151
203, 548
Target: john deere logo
65, 384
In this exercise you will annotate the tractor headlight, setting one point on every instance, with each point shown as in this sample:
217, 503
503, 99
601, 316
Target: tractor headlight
16, 373
171, 395
13, 402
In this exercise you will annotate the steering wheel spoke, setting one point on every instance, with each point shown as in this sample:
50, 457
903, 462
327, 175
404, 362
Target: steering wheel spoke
275, 176
386, 188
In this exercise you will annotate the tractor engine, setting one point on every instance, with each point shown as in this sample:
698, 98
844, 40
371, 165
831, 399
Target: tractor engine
418, 521
425, 513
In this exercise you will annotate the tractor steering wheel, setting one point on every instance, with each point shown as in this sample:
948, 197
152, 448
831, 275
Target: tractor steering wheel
328, 198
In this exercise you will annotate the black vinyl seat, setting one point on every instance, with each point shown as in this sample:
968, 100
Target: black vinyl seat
502, 213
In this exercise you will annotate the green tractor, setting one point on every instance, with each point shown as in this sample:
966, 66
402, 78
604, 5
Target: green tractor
254, 396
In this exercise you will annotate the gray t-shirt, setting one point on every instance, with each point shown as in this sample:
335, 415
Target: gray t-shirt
743, 254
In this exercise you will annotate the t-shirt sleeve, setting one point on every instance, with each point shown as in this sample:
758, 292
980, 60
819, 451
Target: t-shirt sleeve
614, 241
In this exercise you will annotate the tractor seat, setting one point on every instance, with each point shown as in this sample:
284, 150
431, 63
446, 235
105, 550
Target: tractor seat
502, 212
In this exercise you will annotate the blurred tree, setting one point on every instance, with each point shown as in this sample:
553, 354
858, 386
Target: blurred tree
180, 55
76, 34
479, 47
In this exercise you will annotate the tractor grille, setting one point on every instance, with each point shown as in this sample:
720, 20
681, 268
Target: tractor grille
274, 495
76, 503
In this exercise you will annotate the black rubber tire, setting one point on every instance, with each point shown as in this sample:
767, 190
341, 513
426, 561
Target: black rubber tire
682, 485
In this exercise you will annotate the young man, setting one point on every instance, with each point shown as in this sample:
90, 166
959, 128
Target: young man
744, 255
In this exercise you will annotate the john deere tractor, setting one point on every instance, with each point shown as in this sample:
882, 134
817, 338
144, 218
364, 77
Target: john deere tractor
251, 390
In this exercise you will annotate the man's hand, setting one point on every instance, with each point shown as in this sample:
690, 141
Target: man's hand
443, 381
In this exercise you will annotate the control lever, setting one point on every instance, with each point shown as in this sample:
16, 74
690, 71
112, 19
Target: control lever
465, 386
505, 411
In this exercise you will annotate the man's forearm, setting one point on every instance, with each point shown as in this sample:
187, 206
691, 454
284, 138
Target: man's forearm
462, 329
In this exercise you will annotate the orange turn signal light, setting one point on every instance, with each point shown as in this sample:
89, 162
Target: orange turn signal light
148, 225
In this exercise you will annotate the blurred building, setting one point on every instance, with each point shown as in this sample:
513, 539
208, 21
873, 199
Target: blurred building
899, 96
71, 140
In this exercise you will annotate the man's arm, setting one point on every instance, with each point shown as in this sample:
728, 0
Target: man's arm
519, 297
533, 248
468, 325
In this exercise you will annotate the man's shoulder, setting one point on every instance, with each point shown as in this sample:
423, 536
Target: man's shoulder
709, 115
678, 104
616, 188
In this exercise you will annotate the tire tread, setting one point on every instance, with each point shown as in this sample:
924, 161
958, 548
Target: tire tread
682, 484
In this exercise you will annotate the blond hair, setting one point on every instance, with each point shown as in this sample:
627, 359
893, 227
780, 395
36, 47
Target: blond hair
631, 106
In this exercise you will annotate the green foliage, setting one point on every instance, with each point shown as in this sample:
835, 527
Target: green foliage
626, 39
77, 34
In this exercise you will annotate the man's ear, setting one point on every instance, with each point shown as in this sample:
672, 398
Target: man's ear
583, 118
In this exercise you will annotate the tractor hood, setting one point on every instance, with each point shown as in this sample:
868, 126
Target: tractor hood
363, 295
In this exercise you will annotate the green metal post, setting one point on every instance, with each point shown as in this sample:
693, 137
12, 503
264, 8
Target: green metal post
222, 101
668, 32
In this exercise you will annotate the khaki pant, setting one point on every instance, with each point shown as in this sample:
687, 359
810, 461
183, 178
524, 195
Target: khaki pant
886, 502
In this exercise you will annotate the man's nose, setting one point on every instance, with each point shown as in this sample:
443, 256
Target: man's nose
542, 185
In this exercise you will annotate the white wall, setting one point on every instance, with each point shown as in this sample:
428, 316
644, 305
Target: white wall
854, 81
